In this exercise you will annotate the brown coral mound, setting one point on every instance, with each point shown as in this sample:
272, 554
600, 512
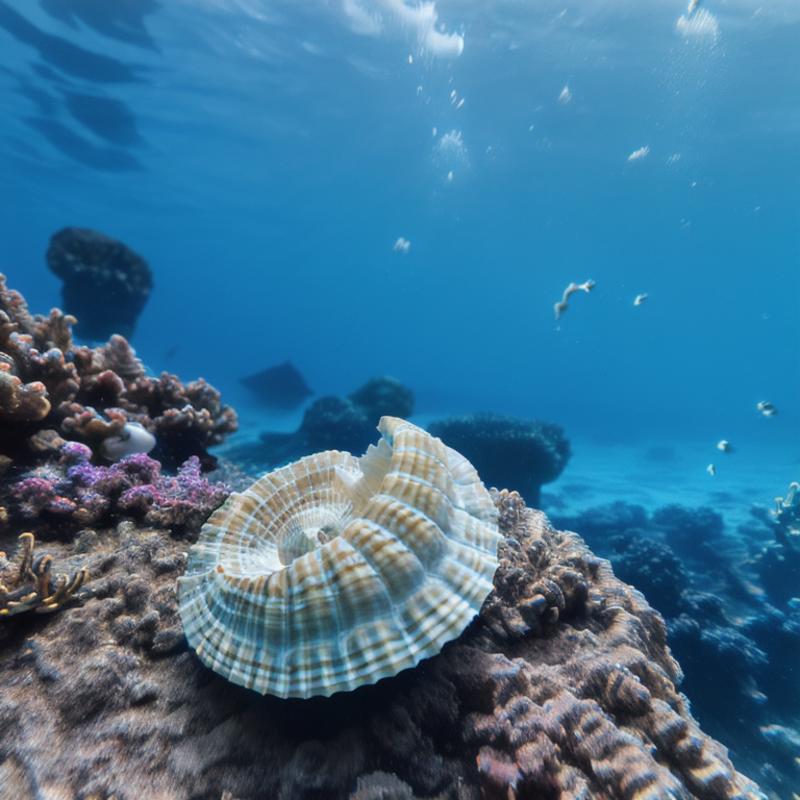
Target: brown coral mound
51, 387
563, 688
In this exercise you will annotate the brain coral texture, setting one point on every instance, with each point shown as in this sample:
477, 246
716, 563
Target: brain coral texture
563, 688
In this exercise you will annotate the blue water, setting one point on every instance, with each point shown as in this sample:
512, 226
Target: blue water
264, 156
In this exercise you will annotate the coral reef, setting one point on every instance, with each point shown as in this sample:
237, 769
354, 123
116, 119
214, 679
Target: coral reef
105, 283
562, 688
507, 451
30, 586
281, 387
330, 423
778, 563
383, 397
70, 492
335, 571
731, 618
52, 389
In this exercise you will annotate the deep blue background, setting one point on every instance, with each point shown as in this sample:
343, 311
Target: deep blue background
265, 157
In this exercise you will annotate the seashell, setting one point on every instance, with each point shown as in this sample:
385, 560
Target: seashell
336, 571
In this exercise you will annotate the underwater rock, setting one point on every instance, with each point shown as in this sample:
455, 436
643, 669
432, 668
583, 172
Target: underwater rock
563, 687
337, 571
281, 387
133, 438
51, 388
508, 451
106, 285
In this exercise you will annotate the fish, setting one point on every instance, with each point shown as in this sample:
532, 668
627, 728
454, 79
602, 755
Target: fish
766, 408
693, 6
640, 154
402, 245
711, 470
561, 306
725, 446
639, 299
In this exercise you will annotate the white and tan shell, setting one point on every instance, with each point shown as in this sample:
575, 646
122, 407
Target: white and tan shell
336, 571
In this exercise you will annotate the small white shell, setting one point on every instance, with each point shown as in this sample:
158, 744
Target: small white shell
335, 571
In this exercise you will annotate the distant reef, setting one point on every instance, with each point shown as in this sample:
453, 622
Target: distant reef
563, 687
508, 452
105, 284
280, 387
330, 423
732, 605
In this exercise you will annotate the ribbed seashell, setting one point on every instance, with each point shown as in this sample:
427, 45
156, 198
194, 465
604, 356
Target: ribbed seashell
335, 571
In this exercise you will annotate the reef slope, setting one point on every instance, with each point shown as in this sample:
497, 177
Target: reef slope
564, 687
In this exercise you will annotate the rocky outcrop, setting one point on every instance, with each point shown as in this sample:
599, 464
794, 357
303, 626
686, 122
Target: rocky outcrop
563, 687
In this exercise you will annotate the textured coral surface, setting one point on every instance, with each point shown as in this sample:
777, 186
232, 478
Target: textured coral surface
105, 283
563, 688
517, 453
52, 388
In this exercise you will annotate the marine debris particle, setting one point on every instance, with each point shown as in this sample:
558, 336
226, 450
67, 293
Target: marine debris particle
711, 470
640, 154
565, 97
281, 387
401, 245
561, 306
724, 446
336, 571
639, 299
31, 586
766, 408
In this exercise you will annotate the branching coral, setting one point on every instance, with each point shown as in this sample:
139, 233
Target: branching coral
48, 383
31, 586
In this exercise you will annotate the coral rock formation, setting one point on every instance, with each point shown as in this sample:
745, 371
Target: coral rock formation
563, 688
51, 388
105, 283
280, 387
732, 622
516, 453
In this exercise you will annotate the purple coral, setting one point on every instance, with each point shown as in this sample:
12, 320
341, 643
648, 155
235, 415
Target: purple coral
79, 491
184, 500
